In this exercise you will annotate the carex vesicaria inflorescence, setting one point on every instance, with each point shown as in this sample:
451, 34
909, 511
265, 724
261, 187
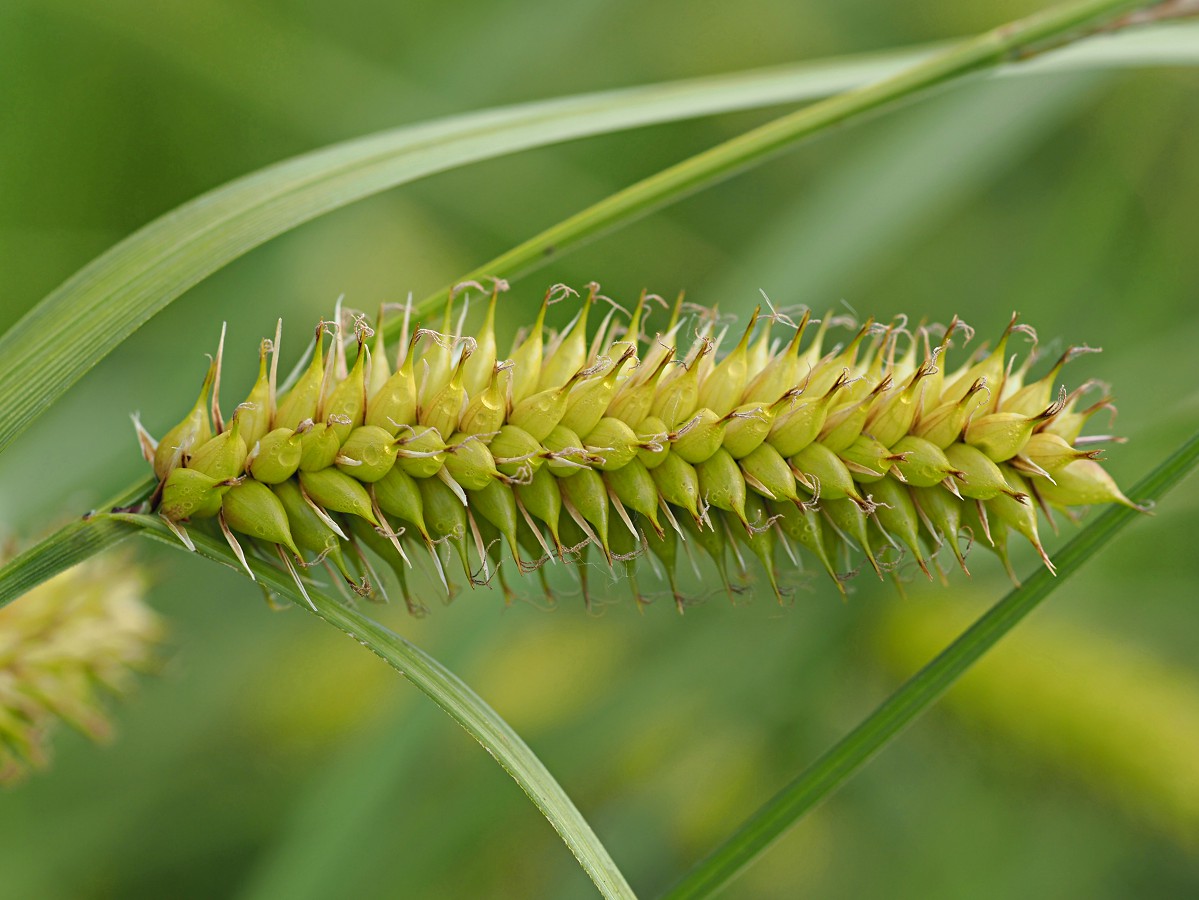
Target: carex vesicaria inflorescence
699, 442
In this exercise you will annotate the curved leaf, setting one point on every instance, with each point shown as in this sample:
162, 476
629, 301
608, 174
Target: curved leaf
441, 685
921, 691
97, 308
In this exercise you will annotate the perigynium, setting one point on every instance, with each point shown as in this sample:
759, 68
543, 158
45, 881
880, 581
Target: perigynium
703, 444
86, 629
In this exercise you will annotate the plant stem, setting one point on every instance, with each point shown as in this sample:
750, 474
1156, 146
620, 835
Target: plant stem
923, 689
71, 544
1017, 40
441, 685
107, 300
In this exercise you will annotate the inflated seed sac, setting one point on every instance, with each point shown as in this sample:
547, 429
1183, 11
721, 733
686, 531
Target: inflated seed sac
252, 509
195, 429
654, 454
190, 494
223, 456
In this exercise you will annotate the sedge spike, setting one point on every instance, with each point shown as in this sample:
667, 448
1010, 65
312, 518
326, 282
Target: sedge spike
73, 641
608, 447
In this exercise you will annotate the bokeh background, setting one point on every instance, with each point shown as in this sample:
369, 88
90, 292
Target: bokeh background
274, 758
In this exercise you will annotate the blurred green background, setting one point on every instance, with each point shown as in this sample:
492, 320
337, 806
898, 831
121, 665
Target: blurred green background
275, 758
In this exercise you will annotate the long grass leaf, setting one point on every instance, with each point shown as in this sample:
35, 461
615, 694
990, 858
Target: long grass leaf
1016, 40
71, 544
87, 537
96, 309
441, 685
923, 689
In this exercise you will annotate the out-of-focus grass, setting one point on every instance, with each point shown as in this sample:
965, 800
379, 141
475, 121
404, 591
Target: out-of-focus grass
1071, 201
1097, 708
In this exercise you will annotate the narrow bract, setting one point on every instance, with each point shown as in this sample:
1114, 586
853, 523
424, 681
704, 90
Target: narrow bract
593, 448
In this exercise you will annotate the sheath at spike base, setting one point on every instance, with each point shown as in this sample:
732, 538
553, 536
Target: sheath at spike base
654, 466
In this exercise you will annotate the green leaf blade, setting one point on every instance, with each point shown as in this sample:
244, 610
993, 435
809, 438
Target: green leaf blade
437, 682
920, 692
91, 313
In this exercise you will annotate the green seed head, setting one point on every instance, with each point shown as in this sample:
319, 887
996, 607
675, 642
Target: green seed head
542, 497
586, 496
1051, 453
896, 514
943, 425
655, 442
811, 533
824, 474
891, 418
496, 503
749, 425
1000, 435
759, 538
446, 515
677, 398
515, 451
635, 488
590, 399
378, 372
867, 459
1083, 482
844, 424
851, 520
801, 423
989, 370
540, 413
526, 359
780, 373
721, 484
980, 478
635, 397
593, 446
436, 361
944, 513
